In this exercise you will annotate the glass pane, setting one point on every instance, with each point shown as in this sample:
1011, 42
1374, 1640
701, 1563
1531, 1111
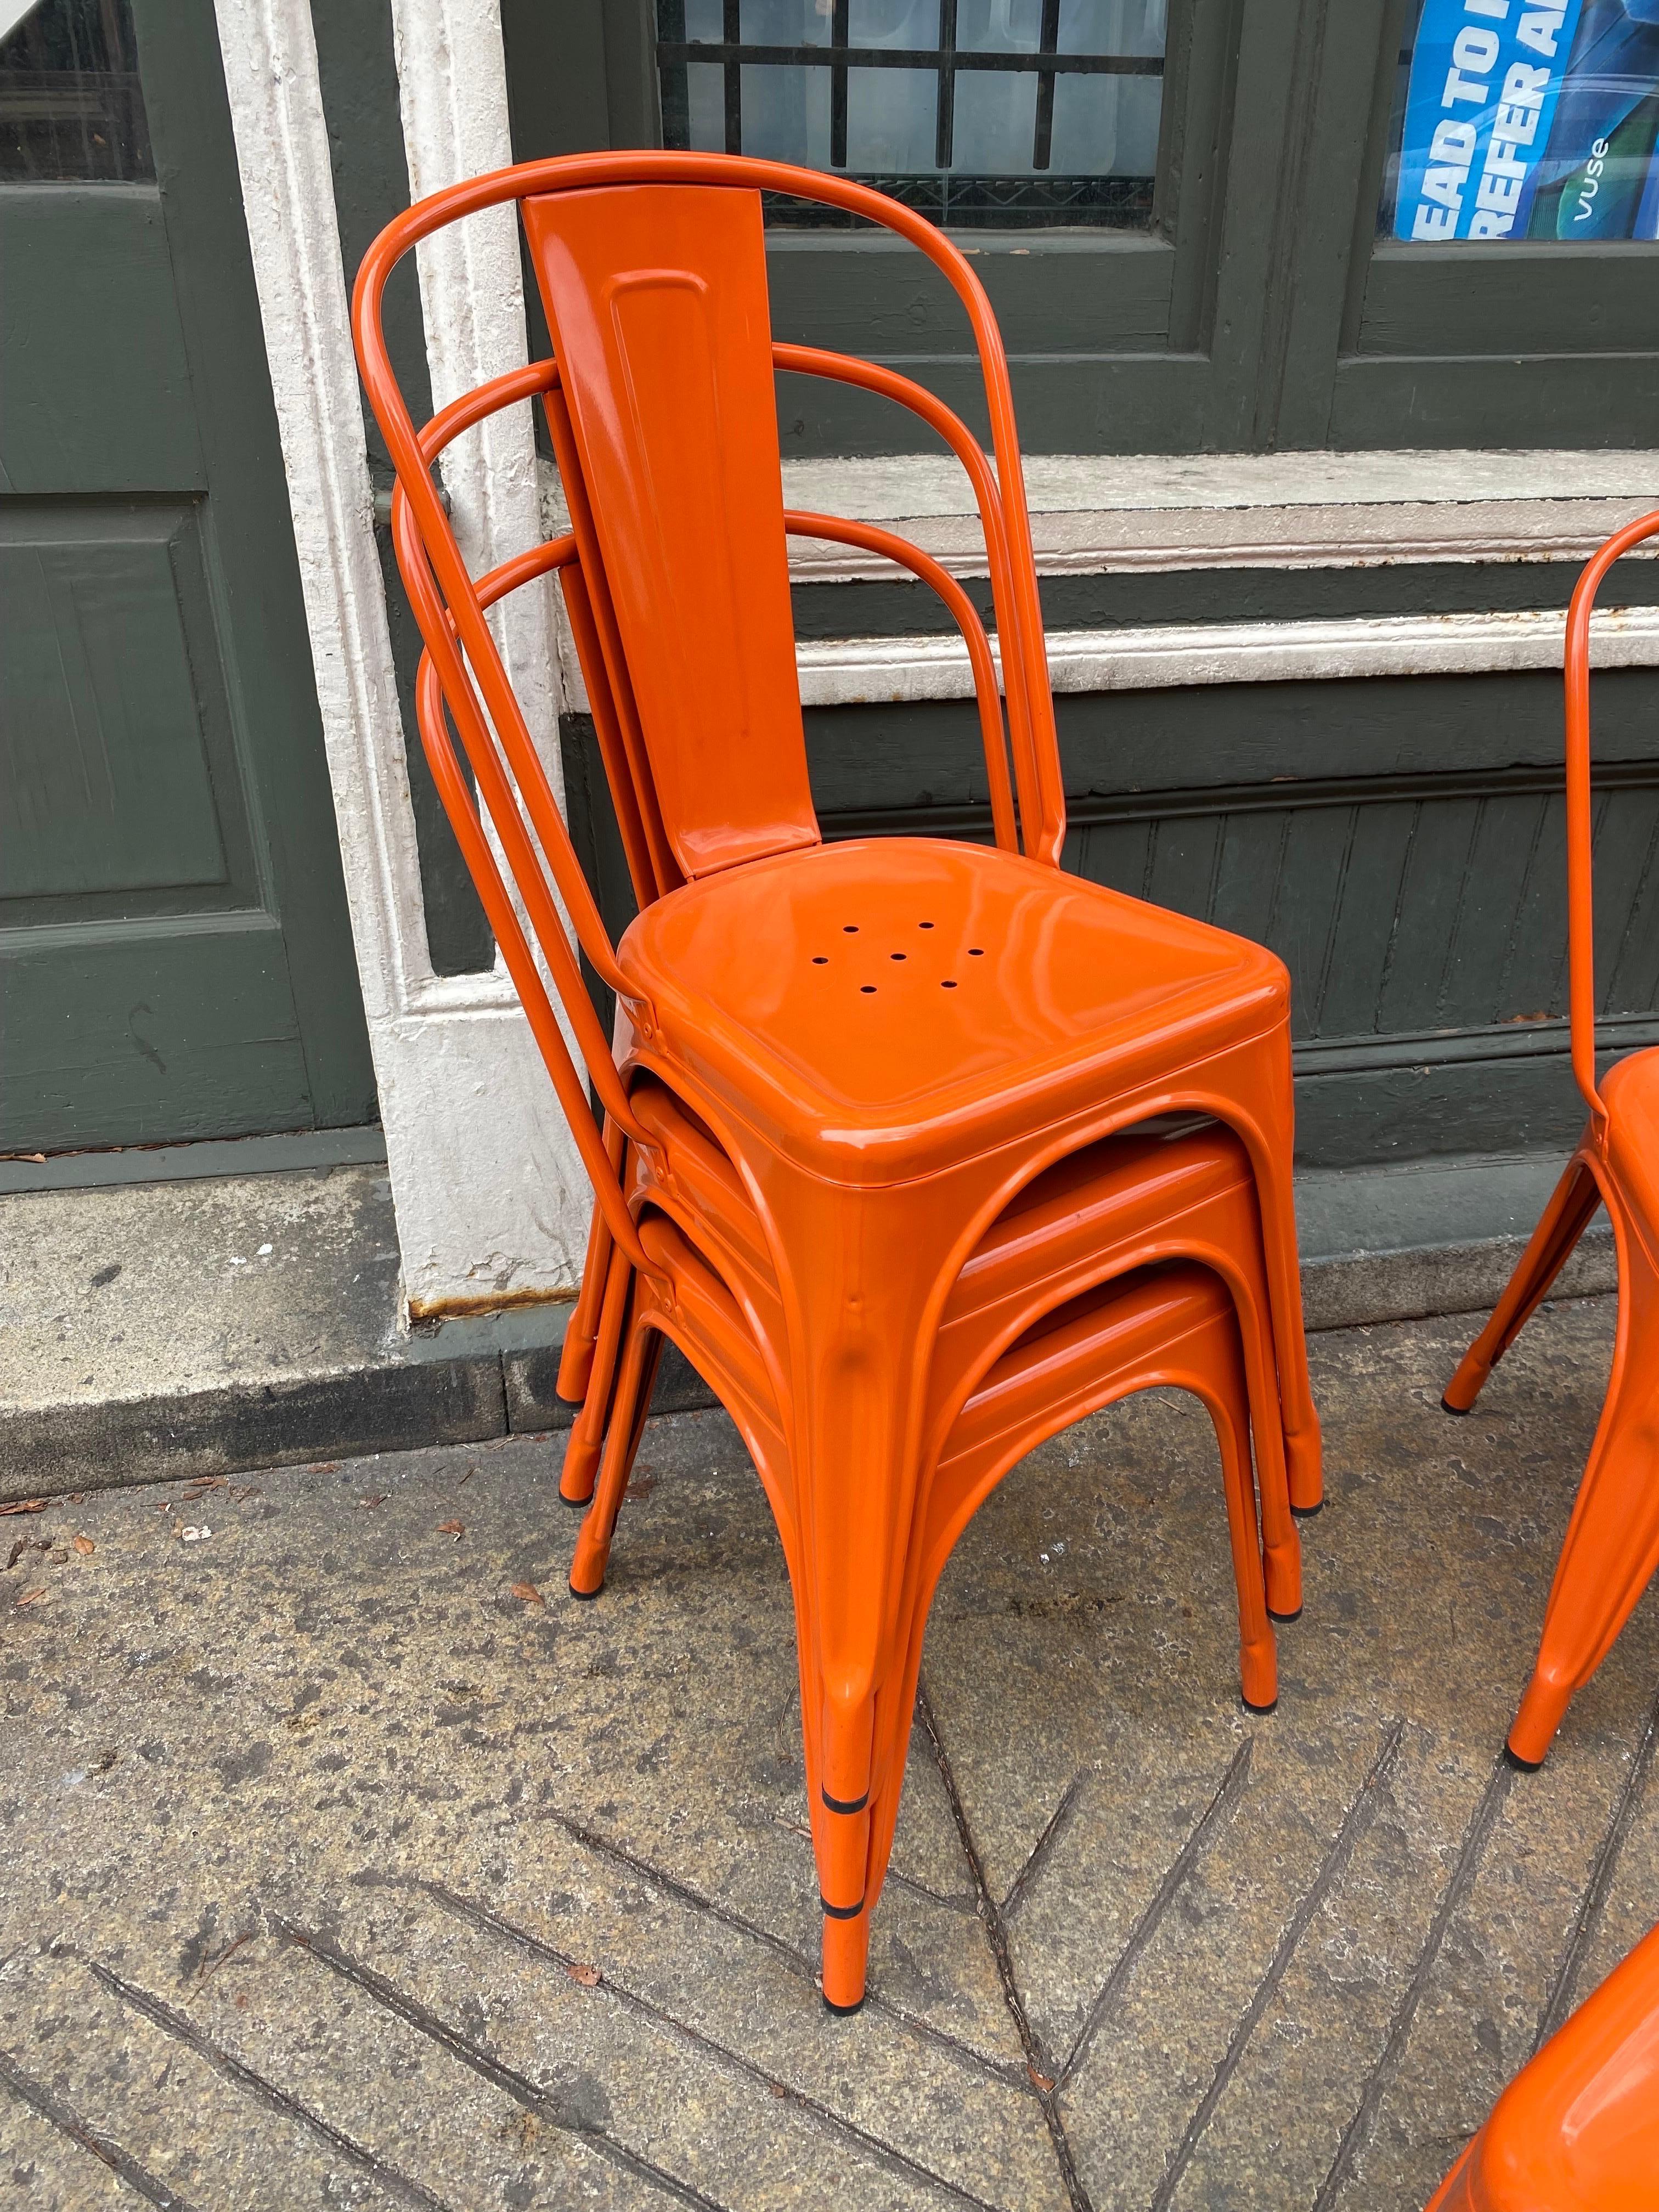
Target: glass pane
976, 111
892, 23
995, 123
786, 113
891, 115
1001, 26
71, 109
1527, 121
705, 94
784, 22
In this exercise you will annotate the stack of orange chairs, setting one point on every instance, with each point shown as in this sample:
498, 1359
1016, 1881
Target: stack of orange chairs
919, 1150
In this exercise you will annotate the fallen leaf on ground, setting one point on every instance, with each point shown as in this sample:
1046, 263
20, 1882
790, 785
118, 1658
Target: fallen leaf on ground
85, 1546
455, 1528
25, 1505
324, 1466
367, 1504
1040, 2080
640, 1485
589, 1976
529, 1593
29, 1597
201, 1484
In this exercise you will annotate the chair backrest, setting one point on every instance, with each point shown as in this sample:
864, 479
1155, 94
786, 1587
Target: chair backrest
656, 298
661, 408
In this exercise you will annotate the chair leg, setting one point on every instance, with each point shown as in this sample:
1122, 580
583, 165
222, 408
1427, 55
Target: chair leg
1612, 1544
576, 1359
592, 1552
840, 1840
1258, 1658
1276, 1195
1281, 1543
587, 1437
1572, 1208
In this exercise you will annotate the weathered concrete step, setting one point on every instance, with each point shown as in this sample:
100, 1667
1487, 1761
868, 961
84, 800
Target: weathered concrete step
160, 1329
165, 1329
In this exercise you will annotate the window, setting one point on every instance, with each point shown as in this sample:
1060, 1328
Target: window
71, 109
978, 112
1526, 121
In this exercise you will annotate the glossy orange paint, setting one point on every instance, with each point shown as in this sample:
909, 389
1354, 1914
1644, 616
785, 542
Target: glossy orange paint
1577, 2130
1612, 1544
863, 1151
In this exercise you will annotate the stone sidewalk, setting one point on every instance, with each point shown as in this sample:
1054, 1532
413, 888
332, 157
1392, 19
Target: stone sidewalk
348, 1862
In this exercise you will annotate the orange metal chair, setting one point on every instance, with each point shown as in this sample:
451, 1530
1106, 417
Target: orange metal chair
1577, 2130
1612, 1544
881, 1045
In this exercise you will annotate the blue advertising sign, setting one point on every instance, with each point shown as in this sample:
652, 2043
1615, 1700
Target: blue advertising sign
1531, 118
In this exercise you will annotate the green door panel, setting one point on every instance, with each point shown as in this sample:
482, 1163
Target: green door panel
92, 360
106, 785
106, 1027
176, 953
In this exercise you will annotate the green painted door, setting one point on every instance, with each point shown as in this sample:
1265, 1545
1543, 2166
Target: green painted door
175, 958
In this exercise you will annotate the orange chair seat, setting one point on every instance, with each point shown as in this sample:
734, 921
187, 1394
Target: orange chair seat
891, 999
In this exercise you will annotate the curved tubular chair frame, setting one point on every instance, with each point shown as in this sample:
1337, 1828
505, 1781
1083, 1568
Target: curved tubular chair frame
1612, 1544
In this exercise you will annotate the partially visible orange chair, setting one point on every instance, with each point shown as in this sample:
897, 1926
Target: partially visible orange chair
886, 1043
1577, 2130
1612, 1544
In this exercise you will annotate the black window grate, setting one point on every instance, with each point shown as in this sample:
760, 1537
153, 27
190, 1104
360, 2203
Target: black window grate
944, 193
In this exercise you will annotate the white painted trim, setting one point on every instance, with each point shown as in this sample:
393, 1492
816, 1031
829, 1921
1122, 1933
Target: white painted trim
865, 671
870, 671
1095, 515
491, 1200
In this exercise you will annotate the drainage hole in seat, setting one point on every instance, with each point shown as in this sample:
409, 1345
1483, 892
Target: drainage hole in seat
924, 925
820, 959
849, 929
947, 985
897, 956
975, 952
868, 989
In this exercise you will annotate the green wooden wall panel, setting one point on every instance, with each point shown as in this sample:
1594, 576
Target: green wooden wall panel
1051, 291
1362, 940
1626, 902
104, 1030
99, 399
1511, 299
105, 783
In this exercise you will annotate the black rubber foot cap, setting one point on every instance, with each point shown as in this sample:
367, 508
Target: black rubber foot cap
843, 2012
1513, 1759
1284, 1619
586, 1597
576, 1504
1458, 1412
1307, 1512
1250, 1708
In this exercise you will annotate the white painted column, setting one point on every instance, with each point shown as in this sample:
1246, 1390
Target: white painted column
491, 1199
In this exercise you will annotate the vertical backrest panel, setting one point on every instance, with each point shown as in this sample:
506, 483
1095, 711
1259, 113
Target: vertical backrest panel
656, 297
